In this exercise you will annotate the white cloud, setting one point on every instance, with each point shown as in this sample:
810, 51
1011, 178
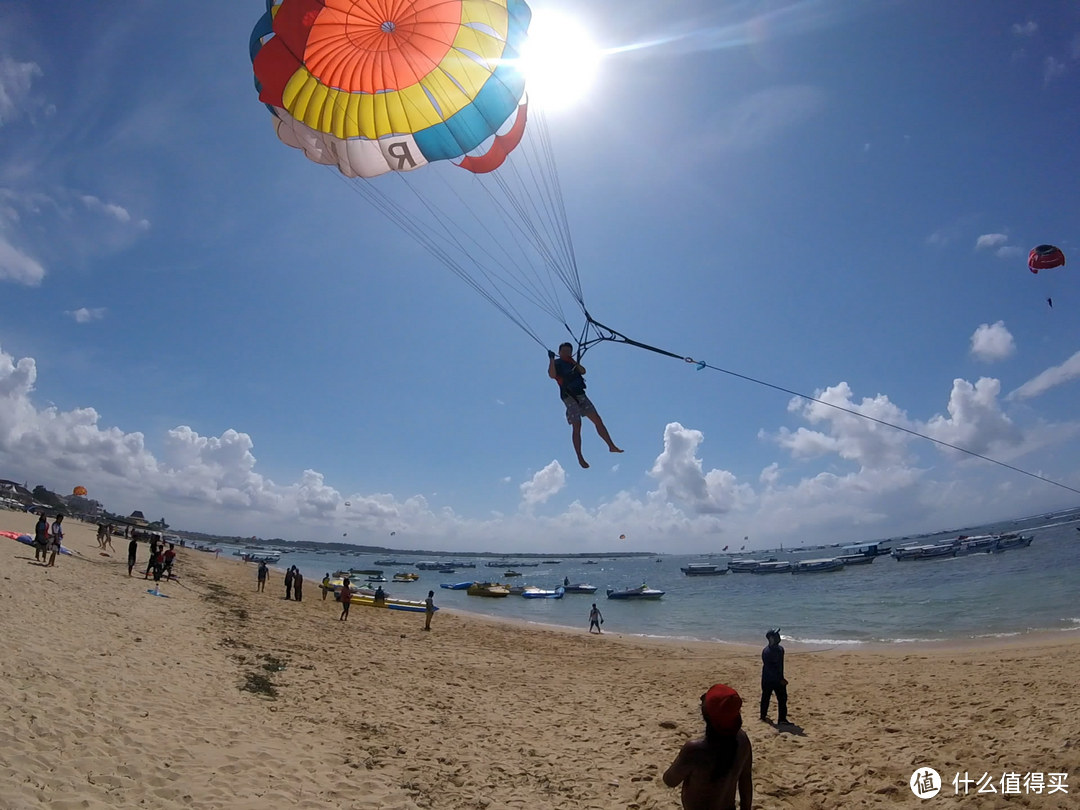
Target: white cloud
975, 421
681, 480
213, 483
85, 315
19, 267
15, 81
543, 484
117, 212
1053, 68
990, 240
848, 434
1027, 29
992, 342
1052, 377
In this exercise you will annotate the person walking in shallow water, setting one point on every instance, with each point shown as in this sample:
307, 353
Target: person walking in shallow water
595, 619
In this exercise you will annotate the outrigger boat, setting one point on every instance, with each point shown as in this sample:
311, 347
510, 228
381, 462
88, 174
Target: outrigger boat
488, 589
818, 566
703, 570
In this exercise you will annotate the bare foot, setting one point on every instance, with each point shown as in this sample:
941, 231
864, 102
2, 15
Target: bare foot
584, 464
614, 449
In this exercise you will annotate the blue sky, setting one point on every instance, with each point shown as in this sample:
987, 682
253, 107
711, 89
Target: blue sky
837, 198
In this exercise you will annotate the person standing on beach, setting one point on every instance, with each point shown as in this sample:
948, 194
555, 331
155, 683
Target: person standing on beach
712, 768
288, 584
298, 584
429, 609
595, 619
56, 540
133, 550
772, 677
41, 539
346, 599
153, 556
168, 560
263, 573
569, 374
326, 586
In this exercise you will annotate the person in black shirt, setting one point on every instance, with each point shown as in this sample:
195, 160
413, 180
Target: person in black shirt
569, 374
772, 677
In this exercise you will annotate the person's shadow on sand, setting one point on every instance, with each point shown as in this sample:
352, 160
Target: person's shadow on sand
787, 728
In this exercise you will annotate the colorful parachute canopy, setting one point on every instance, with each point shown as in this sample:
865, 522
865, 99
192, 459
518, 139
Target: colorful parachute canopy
1045, 257
373, 86
622, 536
79, 490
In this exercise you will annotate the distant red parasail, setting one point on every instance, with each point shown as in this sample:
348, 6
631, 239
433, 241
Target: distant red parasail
1045, 257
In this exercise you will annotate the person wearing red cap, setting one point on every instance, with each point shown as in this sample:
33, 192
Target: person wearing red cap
712, 768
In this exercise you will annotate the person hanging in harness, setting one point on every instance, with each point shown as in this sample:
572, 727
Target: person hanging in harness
569, 374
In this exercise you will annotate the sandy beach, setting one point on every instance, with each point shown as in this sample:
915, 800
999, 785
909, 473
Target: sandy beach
115, 697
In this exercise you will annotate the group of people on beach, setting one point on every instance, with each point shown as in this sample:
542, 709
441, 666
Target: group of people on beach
48, 540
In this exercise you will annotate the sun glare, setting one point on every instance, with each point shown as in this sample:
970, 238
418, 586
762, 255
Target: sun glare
559, 60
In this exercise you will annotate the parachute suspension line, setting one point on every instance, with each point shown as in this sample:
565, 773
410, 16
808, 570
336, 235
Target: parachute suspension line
393, 211
541, 164
605, 333
525, 281
557, 196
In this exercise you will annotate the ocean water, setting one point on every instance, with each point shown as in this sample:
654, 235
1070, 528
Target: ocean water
1012, 593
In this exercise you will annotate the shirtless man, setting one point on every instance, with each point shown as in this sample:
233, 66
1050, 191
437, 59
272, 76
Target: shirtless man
569, 374
712, 768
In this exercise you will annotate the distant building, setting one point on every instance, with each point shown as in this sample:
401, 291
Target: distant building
16, 492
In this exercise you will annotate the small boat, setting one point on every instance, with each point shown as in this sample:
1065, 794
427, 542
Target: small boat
703, 570
640, 592
512, 574
856, 559
430, 565
389, 603
456, 586
543, 593
406, 577
590, 562
781, 567
493, 589
376, 578
447, 570
818, 566
931, 552
580, 587
261, 557
745, 566
1011, 541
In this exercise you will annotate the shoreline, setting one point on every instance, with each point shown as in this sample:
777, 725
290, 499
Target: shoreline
222, 697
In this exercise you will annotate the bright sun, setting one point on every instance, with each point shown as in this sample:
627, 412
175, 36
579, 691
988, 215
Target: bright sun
559, 60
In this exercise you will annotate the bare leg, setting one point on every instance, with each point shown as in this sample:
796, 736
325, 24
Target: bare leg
603, 431
576, 437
